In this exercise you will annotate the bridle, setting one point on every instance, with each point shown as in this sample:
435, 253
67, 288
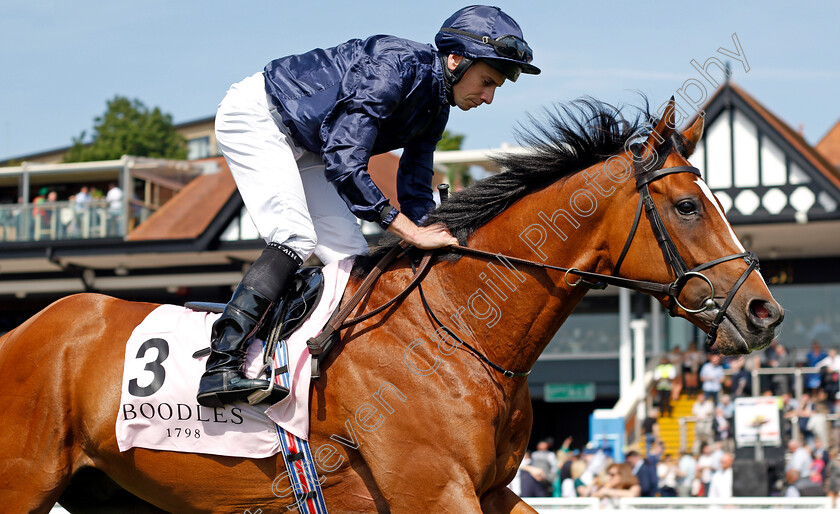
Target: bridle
669, 250
675, 260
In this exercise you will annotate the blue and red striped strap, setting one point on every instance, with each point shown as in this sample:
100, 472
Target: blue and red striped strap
300, 466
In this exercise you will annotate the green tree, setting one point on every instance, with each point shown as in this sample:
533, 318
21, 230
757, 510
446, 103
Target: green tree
450, 141
457, 174
129, 128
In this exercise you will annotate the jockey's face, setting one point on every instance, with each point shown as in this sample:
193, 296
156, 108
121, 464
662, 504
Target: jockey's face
477, 86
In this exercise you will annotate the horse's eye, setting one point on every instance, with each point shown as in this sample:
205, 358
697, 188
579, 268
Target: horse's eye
686, 207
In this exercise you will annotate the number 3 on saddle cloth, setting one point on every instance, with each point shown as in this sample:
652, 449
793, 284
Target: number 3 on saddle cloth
161, 375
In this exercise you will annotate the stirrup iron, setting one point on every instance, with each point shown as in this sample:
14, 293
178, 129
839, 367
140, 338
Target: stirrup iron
258, 396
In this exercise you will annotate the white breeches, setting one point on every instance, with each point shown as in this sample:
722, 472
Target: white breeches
282, 184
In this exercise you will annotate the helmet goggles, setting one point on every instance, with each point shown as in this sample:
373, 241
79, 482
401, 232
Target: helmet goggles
509, 47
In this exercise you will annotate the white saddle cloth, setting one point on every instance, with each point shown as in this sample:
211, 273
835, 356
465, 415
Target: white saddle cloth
160, 381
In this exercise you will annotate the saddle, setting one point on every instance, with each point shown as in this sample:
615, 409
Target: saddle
302, 298
285, 316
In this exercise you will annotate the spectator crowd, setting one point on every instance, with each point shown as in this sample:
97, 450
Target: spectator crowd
56, 213
811, 466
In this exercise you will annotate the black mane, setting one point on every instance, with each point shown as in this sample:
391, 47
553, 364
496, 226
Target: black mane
573, 137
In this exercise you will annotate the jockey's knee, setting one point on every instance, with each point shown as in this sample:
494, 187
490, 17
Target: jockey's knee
302, 244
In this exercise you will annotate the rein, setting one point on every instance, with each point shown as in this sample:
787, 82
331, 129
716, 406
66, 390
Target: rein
461, 342
586, 278
323, 342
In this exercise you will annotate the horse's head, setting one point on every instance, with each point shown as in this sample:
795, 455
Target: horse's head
713, 281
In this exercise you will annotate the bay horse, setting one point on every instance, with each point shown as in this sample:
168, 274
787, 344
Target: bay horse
425, 408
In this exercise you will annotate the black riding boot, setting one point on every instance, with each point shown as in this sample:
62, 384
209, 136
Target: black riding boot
224, 381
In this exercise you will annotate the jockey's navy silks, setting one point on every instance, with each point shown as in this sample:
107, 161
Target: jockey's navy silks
362, 98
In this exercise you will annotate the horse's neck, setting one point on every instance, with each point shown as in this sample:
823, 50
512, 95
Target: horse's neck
516, 308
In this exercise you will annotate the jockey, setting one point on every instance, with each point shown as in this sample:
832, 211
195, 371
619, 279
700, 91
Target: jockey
298, 136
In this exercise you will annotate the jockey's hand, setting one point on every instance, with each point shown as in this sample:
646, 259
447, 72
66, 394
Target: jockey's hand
425, 238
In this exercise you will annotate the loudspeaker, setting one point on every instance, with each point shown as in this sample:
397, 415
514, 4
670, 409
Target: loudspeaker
749, 478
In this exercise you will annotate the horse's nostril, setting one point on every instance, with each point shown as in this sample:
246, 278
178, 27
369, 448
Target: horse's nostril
760, 310
764, 314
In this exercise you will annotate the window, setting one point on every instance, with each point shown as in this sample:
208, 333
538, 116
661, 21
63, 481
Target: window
198, 148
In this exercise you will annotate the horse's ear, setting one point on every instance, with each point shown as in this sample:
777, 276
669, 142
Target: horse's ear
664, 128
667, 124
692, 136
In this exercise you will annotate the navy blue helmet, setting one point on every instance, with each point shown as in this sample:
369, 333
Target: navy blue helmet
486, 33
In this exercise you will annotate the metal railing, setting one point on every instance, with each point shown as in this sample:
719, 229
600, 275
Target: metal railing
796, 372
67, 220
633, 402
685, 422
685, 505
146, 184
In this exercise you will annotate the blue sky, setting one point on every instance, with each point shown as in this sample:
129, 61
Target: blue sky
61, 61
